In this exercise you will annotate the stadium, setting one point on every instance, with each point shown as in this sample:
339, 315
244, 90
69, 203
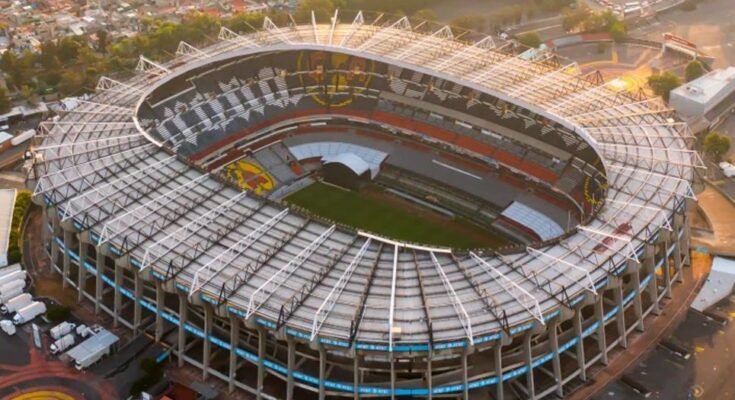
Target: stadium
370, 207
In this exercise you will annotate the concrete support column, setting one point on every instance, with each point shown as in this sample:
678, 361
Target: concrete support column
356, 377
322, 372
465, 380
67, 257
261, 365
667, 268
637, 301
581, 364
54, 243
234, 343
528, 359
620, 316
81, 272
429, 372
392, 377
649, 265
601, 339
291, 364
117, 295
100, 265
498, 356
556, 361
159, 308
183, 317
137, 309
206, 354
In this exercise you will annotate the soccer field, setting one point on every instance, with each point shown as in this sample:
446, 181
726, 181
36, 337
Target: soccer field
391, 217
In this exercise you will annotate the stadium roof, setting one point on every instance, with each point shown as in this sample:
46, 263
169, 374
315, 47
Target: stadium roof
349, 160
112, 178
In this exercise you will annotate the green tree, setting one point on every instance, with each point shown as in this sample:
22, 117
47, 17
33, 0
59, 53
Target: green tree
28, 95
573, 18
323, 10
5, 102
470, 22
245, 22
662, 84
694, 70
425, 14
716, 145
618, 31
530, 39
102, 41
72, 82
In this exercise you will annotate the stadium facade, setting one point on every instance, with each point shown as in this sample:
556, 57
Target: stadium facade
286, 305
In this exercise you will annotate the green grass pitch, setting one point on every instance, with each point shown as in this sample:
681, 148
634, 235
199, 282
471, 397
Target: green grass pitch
391, 218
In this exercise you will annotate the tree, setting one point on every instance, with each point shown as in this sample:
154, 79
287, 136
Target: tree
102, 38
716, 145
694, 70
573, 18
470, 22
5, 103
28, 95
530, 39
662, 84
425, 14
323, 10
618, 31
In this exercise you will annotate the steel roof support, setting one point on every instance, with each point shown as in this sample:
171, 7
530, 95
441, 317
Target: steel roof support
462, 315
625, 207
204, 275
185, 49
561, 105
688, 193
445, 33
145, 213
463, 54
91, 169
386, 33
332, 26
275, 30
525, 299
166, 244
147, 66
328, 303
356, 24
540, 82
99, 193
108, 84
264, 291
392, 306
633, 255
314, 28
93, 107
589, 285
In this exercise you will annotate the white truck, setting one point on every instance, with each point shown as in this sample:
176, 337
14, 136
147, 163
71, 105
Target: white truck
7, 326
83, 331
62, 344
62, 329
10, 287
16, 303
29, 312
5, 297
93, 349
12, 276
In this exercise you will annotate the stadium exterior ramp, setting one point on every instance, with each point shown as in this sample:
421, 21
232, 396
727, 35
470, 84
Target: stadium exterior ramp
333, 311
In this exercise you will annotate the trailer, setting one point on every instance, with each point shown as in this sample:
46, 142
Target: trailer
62, 329
16, 303
5, 297
62, 344
13, 276
11, 286
29, 312
90, 351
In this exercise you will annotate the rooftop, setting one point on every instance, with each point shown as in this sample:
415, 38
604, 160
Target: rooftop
707, 87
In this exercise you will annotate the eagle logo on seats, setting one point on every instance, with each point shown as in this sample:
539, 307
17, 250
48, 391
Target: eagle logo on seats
334, 80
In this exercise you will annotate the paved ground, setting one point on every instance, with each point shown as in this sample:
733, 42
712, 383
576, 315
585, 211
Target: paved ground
720, 212
672, 311
706, 375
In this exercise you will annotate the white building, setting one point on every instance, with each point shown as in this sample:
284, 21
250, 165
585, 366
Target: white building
706, 99
7, 203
